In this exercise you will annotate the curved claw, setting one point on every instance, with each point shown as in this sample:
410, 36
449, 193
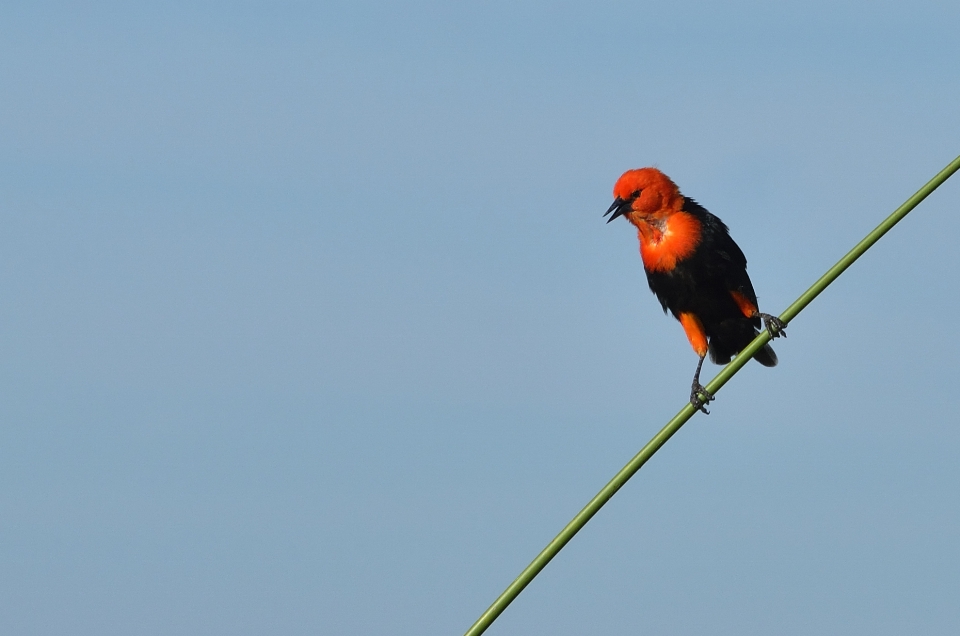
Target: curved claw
774, 325
700, 397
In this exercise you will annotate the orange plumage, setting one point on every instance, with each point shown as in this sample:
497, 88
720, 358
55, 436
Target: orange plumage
695, 269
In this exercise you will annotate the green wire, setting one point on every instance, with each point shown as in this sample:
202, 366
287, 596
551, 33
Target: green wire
531, 571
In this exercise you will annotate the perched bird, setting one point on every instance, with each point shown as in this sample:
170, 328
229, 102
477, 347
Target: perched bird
696, 271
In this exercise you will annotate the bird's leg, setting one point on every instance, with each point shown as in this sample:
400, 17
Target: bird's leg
774, 325
699, 396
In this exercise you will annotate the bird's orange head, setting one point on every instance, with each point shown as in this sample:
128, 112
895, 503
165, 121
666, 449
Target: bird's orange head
644, 195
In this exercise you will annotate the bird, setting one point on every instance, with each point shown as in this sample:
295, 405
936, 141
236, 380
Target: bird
696, 271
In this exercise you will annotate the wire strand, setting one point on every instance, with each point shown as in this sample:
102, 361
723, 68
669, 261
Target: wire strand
628, 471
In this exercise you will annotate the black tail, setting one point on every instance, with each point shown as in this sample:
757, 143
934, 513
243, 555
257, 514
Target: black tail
766, 356
731, 337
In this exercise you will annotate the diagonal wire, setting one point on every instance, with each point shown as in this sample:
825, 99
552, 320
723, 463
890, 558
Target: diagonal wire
628, 471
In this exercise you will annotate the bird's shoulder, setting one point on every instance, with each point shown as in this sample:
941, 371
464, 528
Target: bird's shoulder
715, 239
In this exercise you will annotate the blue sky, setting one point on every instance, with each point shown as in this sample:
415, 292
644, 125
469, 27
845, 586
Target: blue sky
310, 322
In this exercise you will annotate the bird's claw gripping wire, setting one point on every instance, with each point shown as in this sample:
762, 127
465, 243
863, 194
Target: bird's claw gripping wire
700, 397
774, 325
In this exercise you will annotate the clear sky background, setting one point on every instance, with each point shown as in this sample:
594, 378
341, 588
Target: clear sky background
310, 323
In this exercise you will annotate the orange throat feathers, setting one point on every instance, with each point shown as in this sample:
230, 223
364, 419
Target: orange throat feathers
666, 240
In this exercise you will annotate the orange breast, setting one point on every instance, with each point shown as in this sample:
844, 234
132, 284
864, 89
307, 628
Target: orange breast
673, 239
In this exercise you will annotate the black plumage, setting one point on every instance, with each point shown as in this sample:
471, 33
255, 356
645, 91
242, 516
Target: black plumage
702, 283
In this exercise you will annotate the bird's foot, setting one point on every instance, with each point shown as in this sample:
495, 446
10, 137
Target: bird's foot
774, 325
700, 397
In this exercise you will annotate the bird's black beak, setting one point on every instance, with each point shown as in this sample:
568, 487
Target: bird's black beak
619, 207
